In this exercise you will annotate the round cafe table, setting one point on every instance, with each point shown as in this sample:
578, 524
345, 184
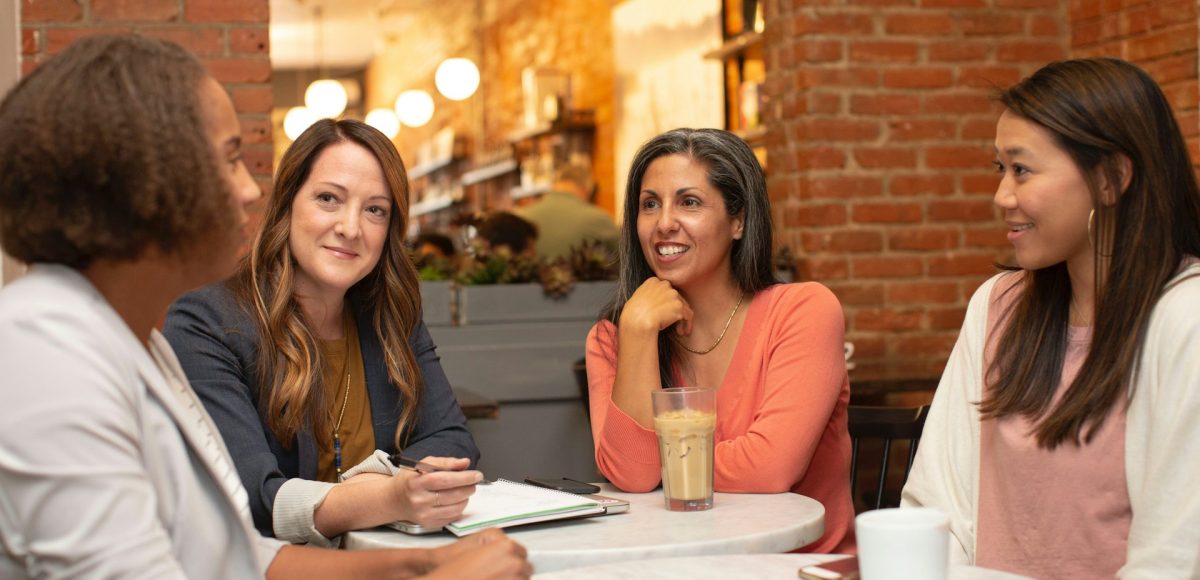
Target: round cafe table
747, 566
737, 524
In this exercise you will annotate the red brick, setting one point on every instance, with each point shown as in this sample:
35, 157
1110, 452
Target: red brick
1174, 68
824, 103
1030, 51
918, 24
28, 64
991, 24
885, 158
883, 52
256, 129
818, 50
919, 130
825, 268
29, 41
849, 24
839, 130
918, 78
882, 2
847, 241
992, 236
888, 266
858, 294
239, 70
227, 11
887, 319
923, 239
946, 318
1083, 9
198, 41
259, 159
980, 183
1087, 33
844, 186
254, 40
915, 346
57, 39
820, 158
912, 185
884, 104
887, 213
1161, 43
984, 129
957, 157
1181, 95
868, 347
956, 103
958, 51
962, 211
1044, 27
253, 99
989, 78
50, 11
962, 265
1047, 4
135, 10
827, 78
816, 215
922, 293
1158, 14
954, 3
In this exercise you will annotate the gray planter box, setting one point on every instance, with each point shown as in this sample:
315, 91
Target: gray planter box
437, 299
527, 303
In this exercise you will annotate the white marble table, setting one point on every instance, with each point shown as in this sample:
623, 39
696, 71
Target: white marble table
737, 524
747, 566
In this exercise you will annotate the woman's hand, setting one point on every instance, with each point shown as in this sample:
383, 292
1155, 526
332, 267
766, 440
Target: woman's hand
486, 555
654, 306
438, 498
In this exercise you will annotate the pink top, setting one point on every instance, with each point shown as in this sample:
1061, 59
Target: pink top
781, 409
1050, 514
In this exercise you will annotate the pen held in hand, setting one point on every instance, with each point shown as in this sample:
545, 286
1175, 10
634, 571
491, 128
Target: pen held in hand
422, 467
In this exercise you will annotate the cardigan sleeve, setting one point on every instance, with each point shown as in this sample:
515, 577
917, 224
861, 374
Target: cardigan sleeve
1163, 442
945, 474
803, 374
626, 452
441, 428
214, 346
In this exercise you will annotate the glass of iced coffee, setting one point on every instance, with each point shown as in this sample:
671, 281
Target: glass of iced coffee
685, 419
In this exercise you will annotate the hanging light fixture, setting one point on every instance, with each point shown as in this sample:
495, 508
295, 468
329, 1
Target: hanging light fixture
414, 107
297, 120
325, 97
457, 78
385, 120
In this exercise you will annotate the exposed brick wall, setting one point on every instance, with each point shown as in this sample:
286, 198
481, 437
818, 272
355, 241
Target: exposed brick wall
1158, 35
880, 133
230, 36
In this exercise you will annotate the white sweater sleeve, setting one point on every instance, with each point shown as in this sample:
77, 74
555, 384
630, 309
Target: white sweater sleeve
945, 474
1162, 442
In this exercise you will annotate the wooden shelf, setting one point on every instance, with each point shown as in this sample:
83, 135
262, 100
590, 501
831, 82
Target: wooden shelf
523, 192
736, 45
489, 171
424, 169
430, 205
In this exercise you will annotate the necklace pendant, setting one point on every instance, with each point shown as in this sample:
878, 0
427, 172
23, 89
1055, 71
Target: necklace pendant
337, 453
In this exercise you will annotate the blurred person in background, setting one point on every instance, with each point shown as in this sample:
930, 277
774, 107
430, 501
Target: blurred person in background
565, 216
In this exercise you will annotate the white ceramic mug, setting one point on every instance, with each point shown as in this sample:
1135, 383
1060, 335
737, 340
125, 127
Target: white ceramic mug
903, 544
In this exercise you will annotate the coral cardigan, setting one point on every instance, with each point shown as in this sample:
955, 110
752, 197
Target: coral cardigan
781, 409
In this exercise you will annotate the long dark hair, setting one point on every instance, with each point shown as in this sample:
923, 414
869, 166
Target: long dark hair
1101, 111
290, 361
736, 173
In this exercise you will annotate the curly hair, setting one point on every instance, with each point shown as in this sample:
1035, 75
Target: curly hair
290, 371
104, 152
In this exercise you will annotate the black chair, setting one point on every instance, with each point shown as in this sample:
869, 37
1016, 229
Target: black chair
580, 370
887, 424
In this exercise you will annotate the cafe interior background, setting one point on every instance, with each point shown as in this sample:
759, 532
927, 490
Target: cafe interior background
871, 118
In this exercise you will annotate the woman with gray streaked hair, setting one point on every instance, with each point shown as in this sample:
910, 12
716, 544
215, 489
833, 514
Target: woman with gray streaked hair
697, 304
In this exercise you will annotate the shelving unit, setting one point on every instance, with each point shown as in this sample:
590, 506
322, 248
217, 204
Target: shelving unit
745, 71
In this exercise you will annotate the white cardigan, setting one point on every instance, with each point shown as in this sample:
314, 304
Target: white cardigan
1162, 438
109, 465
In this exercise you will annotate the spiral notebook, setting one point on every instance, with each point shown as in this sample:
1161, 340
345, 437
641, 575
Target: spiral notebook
505, 503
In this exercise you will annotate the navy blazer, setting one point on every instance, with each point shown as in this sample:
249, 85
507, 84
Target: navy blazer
217, 344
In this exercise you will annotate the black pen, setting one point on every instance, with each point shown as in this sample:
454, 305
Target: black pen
403, 462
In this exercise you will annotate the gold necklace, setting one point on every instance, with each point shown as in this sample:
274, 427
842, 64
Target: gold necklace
337, 440
723, 330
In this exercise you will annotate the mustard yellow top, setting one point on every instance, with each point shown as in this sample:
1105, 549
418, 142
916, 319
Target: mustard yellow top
356, 431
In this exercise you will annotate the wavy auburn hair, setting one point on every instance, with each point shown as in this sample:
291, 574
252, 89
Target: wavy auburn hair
1100, 111
290, 362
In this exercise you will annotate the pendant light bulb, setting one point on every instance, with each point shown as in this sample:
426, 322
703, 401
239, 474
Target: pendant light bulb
457, 78
326, 98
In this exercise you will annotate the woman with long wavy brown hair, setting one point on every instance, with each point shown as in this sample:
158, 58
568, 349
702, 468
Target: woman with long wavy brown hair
1063, 436
313, 357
